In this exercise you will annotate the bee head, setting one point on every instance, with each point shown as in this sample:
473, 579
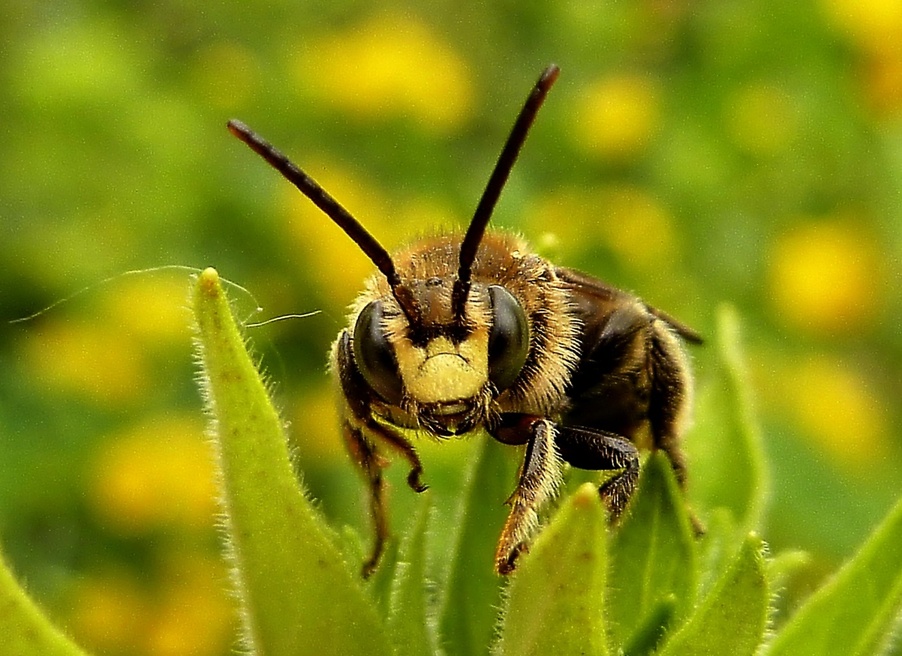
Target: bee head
442, 367
440, 347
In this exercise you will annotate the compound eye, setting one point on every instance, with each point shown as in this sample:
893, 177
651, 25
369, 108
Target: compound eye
509, 338
374, 355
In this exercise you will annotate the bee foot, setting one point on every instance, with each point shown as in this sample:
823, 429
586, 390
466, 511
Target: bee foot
505, 564
414, 482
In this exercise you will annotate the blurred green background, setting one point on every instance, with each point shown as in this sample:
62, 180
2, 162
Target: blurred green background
747, 151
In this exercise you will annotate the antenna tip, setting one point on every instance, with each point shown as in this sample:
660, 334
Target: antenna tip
549, 75
238, 128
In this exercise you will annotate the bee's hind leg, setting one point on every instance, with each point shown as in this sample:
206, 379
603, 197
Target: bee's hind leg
592, 449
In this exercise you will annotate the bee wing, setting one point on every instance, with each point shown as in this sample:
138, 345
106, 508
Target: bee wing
596, 301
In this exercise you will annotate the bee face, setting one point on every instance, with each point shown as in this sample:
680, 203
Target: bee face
442, 368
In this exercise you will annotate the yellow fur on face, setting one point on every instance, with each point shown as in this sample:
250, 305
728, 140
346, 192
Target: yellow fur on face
444, 371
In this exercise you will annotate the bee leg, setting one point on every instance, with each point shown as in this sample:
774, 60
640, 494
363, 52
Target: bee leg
397, 442
587, 448
356, 395
540, 476
369, 461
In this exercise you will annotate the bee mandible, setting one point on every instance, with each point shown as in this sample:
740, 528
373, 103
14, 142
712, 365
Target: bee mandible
459, 333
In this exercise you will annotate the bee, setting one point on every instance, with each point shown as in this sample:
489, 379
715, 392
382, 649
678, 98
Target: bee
460, 333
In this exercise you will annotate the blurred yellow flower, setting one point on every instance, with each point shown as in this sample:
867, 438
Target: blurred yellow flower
193, 614
152, 307
560, 218
760, 119
93, 359
884, 83
626, 218
314, 425
638, 227
826, 277
835, 406
187, 610
159, 473
107, 612
875, 28
390, 64
107, 359
875, 25
618, 116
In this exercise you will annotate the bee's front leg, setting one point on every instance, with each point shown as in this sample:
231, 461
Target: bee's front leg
357, 397
540, 476
404, 448
362, 434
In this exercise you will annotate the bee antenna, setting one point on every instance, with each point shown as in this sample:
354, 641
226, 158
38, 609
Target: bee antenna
333, 209
505, 163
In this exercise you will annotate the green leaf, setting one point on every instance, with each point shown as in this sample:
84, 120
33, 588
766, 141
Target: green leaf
855, 612
732, 618
650, 632
25, 629
653, 552
408, 619
786, 564
473, 589
725, 442
379, 584
555, 601
717, 549
298, 596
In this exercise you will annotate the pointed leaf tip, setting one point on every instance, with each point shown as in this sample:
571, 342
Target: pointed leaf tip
732, 617
210, 273
292, 579
208, 281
